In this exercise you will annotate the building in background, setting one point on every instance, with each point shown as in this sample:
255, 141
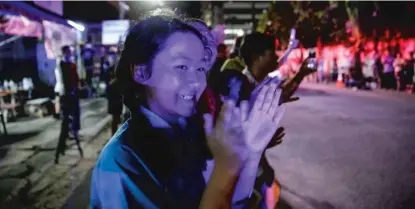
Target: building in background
239, 17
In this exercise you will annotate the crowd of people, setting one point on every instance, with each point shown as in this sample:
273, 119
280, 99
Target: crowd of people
386, 65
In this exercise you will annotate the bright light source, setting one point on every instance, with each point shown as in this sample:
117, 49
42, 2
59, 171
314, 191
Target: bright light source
275, 73
238, 32
229, 41
77, 26
124, 6
157, 3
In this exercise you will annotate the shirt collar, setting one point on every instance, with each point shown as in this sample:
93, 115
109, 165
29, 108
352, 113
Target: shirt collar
158, 122
249, 75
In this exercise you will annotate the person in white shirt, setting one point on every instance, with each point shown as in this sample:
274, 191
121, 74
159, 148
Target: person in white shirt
59, 88
368, 70
398, 65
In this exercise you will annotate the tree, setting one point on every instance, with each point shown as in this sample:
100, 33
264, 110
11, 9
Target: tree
314, 21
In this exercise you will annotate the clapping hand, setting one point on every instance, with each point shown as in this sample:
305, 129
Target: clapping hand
279, 134
260, 122
225, 138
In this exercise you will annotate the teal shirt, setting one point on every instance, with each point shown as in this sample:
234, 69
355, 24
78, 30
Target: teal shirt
130, 172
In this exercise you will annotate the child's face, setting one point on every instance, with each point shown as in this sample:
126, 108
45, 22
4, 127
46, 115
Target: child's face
178, 76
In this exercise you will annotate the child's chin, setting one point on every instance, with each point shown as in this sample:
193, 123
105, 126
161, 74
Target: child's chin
187, 113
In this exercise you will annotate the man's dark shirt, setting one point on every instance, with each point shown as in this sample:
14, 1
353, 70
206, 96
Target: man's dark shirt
70, 77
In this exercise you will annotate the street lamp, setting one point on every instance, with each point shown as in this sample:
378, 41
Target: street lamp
77, 26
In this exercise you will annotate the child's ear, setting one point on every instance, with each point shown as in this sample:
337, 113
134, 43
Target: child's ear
140, 73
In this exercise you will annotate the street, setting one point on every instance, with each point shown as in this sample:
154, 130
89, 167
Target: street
342, 150
27, 172
347, 150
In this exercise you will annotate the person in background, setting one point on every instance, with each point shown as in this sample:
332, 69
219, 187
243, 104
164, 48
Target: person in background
368, 70
234, 62
379, 70
70, 103
258, 53
356, 72
88, 60
334, 70
321, 78
398, 65
59, 89
409, 73
103, 63
113, 92
220, 59
388, 79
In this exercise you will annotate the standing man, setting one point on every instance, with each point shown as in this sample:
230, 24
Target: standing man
69, 102
88, 58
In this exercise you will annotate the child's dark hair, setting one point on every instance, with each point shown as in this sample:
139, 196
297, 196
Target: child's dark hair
143, 41
255, 44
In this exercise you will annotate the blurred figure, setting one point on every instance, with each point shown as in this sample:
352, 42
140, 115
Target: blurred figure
59, 89
220, 59
345, 63
321, 78
115, 105
103, 62
356, 80
368, 70
88, 60
409, 73
388, 78
70, 103
398, 65
235, 61
334, 70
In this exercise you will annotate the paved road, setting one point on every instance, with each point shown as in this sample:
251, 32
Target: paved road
343, 150
348, 150
28, 151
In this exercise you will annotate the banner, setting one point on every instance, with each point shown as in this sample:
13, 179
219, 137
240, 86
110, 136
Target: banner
20, 25
56, 36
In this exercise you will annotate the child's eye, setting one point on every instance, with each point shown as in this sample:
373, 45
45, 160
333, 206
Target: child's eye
181, 67
202, 69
